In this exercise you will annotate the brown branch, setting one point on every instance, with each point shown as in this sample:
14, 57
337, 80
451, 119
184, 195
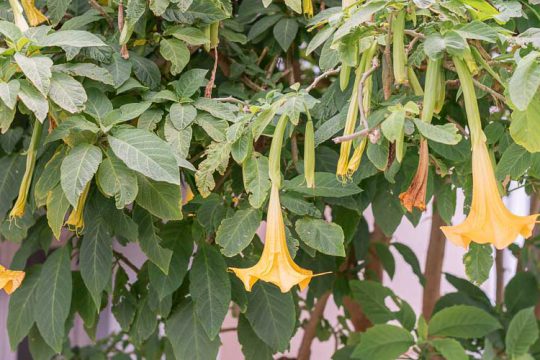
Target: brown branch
499, 276
210, 85
310, 330
387, 73
321, 77
340, 139
97, 6
434, 264
126, 261
481, 86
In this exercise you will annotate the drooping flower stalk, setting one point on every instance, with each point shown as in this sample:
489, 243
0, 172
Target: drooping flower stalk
10, 280
75, 221
489, 221
275, 265
398, 48
18, 209
415, 196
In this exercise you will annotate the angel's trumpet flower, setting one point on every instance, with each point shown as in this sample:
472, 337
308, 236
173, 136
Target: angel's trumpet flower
75, 220
307, 7
275, 265
34, 16
415, 196
10, 280
20, 204
489, 221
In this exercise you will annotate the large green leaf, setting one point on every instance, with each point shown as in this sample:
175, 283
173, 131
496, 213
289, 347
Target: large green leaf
237, 232
150, 241
450, 349
521, 292
54, 291
462, 321
522, 333
57, 206
478, 262
272, 315
326, 184
188, 337
383, 342
210, 289
77, 169
161, 199
21, 307
285, 31
146, 153
67, 93
321, 235
37, 69
444, 134
176, 52
182, 115
34, 100
372, 296
524, 82
256, 179
8, 92
116, 179
73, 38
253, 347
525, 126
12, 171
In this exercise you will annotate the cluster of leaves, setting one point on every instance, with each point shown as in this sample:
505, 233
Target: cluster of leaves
128, 134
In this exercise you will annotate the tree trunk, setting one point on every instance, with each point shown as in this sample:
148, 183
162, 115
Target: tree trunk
310, 330
434, 264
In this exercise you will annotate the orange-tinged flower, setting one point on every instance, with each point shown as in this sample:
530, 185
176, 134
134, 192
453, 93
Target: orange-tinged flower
489, 221
10, 280
34, 16
415, 196
275, 265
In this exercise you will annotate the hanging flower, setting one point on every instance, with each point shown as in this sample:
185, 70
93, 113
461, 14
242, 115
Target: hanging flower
307, 7
275, 265
34, 16
10, 280
489, 221
415, 196
75, 221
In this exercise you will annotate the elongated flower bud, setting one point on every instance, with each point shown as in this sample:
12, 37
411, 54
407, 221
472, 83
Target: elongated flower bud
309, 155
398, 48
441, 91
344, 76
274, 158
356, 159
350, 123
413, 82
214, 35
20, 21
31, 155
307, 8
433, 89
75, 221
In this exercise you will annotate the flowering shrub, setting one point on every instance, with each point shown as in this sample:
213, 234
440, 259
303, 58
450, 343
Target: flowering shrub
180, 125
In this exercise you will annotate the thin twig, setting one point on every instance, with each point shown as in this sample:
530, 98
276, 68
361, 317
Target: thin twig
340, 139
365, 76
95, 5
231, 99
125, 260
415, 34
210, 85
321, 77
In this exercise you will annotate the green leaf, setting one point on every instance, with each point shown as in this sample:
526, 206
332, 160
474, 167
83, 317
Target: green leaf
87, 70
383, 342
37, 69
326, 185
116, 179
20, 316
210, 289
256, 180
146, 153
10, 30
119, 68
67, 93
57, 206
98, 105
150, 241
217, 159
319, 39
189, 82
179, 141
522, 333
73, 38
449, 349
77, 169
525, 125
145, 70
215, 108
176, 52
188, 337
372, 296
321, 235
8, 92
285, 31
524, 81
444, 134
478, 262
514, 162
272, 315
190, 35
263, 24
7, 116
297, 205
96, 253
161, 199
253, 348
462, 321
10, 178
237, 231
56, 9
410, 258
478, 30
215, 128
521, 292
34, 100
182, 115
54, 291
452, 42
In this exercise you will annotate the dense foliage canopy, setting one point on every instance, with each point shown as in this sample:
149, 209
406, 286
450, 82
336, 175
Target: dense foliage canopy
180, 125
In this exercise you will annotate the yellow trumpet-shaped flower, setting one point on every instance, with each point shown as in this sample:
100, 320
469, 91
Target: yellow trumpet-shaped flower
34, 16
275, 265
75, 220
489, 221
307, 7
415, 196
10, 280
